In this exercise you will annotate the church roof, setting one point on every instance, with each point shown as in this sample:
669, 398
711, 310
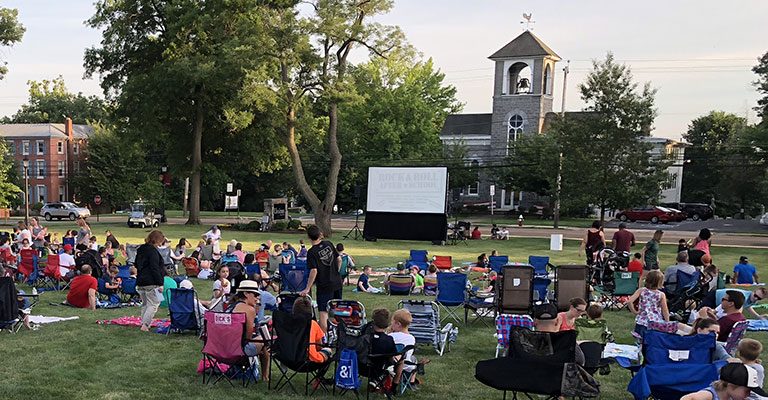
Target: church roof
467, 124
526, 44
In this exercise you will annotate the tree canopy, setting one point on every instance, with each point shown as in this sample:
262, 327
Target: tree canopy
11, 32
50, 101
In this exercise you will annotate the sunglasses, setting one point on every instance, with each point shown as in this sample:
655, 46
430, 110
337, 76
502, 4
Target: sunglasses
725, 299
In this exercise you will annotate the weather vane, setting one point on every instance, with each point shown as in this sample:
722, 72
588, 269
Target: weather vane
527, 21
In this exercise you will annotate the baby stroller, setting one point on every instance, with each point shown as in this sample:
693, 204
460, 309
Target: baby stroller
606, 262
351, 312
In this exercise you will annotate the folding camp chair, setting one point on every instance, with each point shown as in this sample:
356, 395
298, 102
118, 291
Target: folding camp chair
425, 326
537, 363
482, 304
293, 277
399, 284
14, 305
540, 265
496, 262
735, 336
109, 295
165, 256
52, 274
570, 282
593, 358
347, 313
290, 352
418, 258
28, 265
625, 284
68, 241
123, 272
129, 292
674, 365
443, 262
191, 266
224, 338
183, 311
514, 289
130, 253
206, 253
504, 323
451, 293
430, 286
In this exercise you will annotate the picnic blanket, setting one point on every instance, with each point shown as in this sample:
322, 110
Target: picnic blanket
39, 319
629, 351
134, 321
757, 325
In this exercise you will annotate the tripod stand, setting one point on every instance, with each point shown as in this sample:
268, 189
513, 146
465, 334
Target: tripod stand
356, 228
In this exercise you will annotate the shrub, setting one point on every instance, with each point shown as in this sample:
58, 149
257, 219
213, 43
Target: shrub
280, 226
294, 224
254, 226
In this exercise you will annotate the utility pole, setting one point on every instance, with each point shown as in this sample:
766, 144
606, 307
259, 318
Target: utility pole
558, 187
25, 163
186, 196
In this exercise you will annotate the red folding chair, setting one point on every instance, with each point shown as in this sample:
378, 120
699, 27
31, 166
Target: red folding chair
442, 262
28, 264
52, 273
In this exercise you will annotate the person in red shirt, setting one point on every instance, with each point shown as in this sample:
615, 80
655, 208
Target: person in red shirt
623, 239
82, 289
636, 265
476, 235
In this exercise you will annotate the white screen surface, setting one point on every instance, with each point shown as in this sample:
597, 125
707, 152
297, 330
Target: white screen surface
407, 190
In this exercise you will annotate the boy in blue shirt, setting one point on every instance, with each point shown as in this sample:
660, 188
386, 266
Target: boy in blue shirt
744, 272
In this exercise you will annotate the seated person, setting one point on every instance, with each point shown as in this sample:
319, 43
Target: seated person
382, 345
494, 232
593, 328
503, 233
431, 272
567, 319
363, 284
133, 272
82, 289
418, 280
187, 284
706, 326
731, 303
636, 264
737, 381
545, 319
745, 273
67, 267
247, 300
482, 261
317, 352
112, 283
476, 234
748, 353
401, 319
670, 274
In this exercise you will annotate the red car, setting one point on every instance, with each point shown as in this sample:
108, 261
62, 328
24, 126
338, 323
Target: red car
654, 214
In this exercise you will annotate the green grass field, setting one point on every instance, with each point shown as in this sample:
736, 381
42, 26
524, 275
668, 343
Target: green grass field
83, 360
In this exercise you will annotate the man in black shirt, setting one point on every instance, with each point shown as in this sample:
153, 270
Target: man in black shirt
323, 261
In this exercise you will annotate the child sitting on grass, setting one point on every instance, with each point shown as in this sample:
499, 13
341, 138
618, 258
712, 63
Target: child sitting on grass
593, 328
363, 280
112, 283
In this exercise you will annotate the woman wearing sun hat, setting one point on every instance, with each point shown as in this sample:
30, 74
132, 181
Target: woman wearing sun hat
736, 382
247, 300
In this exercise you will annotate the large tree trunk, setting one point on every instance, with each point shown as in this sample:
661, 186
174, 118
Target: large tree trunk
197, 163
298, 170
323, 215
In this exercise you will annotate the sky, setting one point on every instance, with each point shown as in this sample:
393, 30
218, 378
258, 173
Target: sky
697, 53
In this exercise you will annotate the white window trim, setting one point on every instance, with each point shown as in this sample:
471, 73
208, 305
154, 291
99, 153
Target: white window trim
25, 147
59, 147
61, 193
37, 192
39, 147
61, 168
76, 148
38, 168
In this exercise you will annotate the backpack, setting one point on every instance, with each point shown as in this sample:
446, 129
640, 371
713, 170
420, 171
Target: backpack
347, 376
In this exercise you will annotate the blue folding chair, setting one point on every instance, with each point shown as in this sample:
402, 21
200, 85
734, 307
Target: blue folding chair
291, 256
293, 277
128, 289
674, 365
109, 295
451, 294
183, 312
124, 272
540, 265
497, 262
252, 270
68, 241
418, 258
228, 258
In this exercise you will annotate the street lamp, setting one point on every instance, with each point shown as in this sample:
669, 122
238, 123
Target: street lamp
25, 164
163, 180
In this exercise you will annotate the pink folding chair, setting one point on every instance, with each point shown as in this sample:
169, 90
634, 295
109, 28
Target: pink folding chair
224, 341
737, 333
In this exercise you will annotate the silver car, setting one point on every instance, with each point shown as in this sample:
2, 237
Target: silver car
63, 210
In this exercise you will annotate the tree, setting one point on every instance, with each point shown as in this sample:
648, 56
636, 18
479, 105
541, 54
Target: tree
761, 69
176, 71
9, 191
711, 137
11, 31
50, 101
311, 63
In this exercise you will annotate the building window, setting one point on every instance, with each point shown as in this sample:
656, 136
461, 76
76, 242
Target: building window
25, 147
547, 80
474, 189
61, 193
77, 166
514, 128
40, 146
519, 79
41, 194
11, 147
40, 168
61, 169
59, 147
76, 148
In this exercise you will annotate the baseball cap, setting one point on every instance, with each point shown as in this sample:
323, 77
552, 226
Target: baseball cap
547, 311
67, 247
743, 258
741, 375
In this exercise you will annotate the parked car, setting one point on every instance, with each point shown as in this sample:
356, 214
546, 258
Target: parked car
63, 210
694, 211
764, 220
654, 214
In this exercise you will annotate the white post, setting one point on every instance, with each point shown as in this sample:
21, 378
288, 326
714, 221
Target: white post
186, 196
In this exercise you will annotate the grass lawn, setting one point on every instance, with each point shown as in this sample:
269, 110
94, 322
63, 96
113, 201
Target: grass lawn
83, 360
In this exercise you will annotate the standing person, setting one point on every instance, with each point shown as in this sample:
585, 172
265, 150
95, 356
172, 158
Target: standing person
703, 241
623, 239
38, 234
24, 233
324, 262
744, 272
593, 241
149, 279
652, 306
650, 252
83, 232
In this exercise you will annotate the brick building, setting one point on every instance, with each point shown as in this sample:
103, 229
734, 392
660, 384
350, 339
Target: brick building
55, 153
